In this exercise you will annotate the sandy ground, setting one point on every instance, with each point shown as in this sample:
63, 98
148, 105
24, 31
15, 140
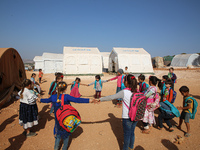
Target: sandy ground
101, 127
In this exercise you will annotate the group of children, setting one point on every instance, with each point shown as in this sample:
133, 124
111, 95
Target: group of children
126, 86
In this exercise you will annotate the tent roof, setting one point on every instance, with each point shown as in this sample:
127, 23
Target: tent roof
120, 50
105, 54
52, 56
37, 58
185, 56
81, 50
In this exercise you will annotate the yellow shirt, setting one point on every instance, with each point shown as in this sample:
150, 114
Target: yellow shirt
189, 101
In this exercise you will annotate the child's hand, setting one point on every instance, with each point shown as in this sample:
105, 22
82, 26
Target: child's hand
38, 100
179, 108
93, 101
108, 80
38, 95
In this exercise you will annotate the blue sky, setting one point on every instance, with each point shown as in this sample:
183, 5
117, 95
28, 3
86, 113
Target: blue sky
161, 27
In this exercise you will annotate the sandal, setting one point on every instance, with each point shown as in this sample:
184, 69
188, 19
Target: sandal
146, 131
171, 129
159, 128
31, 134
187, 134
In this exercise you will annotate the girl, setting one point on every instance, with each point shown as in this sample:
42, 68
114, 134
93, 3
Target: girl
128, 125
28, 112
52, 89
75, 88
40, 76
120, 85
163, 87
152, 103
36, 85
98, 86
168, 94
59, 132
142, 85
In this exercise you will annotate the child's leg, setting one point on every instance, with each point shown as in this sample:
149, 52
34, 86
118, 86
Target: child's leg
187, 126
180, 123
99, 94
65, 143
57, 142
95, 96
160, 120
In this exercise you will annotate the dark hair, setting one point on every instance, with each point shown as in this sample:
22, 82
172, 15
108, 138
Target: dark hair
61, 86
165, 77
126, 67
171, 68
132, 82
168, 82
184, 89
98, 77
79, 80
142, 77
40, 69
154, 80
59, 74
25, 83
33, 74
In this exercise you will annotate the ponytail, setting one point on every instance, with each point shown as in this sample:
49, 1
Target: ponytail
154, 80
132, 82
62, 86
25, 83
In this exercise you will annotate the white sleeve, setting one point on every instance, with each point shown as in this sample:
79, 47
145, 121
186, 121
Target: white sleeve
112, 97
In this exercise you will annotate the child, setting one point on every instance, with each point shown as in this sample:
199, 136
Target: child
152, 103
172, 76
98, 85
40, 75
126, 71
128, 125
166, 115
36, 85
75, 88
168, 94
187, 106
28, 112
142, 85
52, 89
59, 132
120, 79
163, 87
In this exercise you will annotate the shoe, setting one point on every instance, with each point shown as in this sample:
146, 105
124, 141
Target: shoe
30, 134
187, 135
24, 133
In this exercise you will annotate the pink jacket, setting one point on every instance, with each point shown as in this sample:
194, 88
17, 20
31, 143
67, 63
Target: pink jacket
119, 79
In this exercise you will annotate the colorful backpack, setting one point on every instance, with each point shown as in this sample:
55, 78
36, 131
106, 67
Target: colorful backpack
122, 83
147, 86
172, 110
137, 106
174, 95
194, 109
68, 117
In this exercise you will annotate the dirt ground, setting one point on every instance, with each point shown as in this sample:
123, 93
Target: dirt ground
101, 127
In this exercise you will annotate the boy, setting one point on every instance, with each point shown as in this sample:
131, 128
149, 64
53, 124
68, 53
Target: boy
168, 94
172, 76
126, 71
40, 75
142, 85
185, 115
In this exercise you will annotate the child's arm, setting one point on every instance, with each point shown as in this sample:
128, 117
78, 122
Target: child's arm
76, 100
46, 100
91, 83
103, 81
112, 97
184, 108
113, 78
84, 84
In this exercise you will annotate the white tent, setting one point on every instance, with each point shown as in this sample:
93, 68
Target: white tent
105, 59
82, 60
39, 63
136, 59
185, 60
52, 62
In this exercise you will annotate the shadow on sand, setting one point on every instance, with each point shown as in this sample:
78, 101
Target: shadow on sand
169, 145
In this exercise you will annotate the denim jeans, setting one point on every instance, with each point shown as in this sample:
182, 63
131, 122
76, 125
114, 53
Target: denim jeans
52, 109
129, 133
166, 118
57, 142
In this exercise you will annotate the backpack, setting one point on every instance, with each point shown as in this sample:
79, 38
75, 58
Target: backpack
172, 110
194, 109
147, 86
122, 83
174, 95
68, 117
137, 106
54, 88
